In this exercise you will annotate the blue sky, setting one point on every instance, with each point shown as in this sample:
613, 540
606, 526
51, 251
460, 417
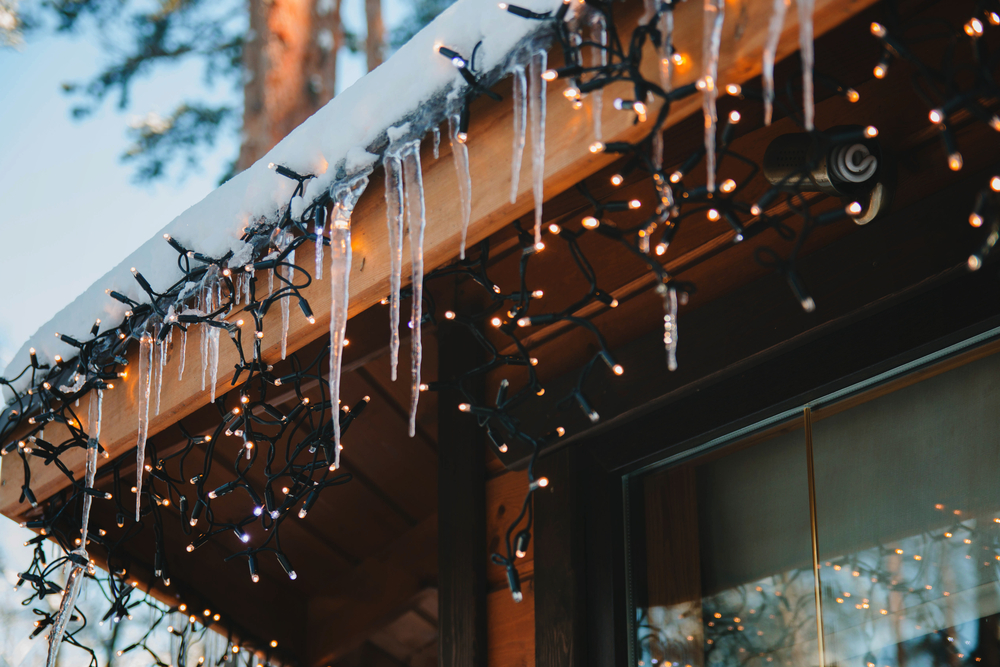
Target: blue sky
68, 208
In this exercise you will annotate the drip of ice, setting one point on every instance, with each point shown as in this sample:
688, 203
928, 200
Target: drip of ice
415, 221
536, 109
248, 284
714, 14
284, 319
144, 379
460, 151
180, 363
520, 121
436, 132
161, 365
770, 52
213, 358
599, 35
806, 51
94, 426
670, 325
66, 604
658, 149
649, 11
205, 300
345, 198
319, 229
394, 219
667, 50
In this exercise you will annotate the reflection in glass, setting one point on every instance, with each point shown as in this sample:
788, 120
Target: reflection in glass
908, 504
725, 576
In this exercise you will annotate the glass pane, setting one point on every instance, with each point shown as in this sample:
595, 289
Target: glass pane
908, 496
722, 559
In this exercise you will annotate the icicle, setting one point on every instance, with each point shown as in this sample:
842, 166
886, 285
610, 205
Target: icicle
536, 108
650, 11
599, 35
460, 151
206, 307
714, 14
670, 324
415, 221
394, 220
667, 49
180, 363
284, 322
213, 359
658, 149
66, 604
520, 120
806, 52
93, 445
161, 365
319, 229
145, 370
770, 52
436, 131
248, 284
345, 198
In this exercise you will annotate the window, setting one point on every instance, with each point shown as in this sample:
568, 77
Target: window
907, 530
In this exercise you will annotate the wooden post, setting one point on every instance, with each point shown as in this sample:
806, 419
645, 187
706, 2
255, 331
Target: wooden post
462, 557
560, 563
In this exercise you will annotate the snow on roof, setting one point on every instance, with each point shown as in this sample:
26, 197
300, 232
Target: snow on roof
331, 143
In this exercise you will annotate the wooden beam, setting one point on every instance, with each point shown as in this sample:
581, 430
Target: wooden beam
568, 160
461, 511
371, 595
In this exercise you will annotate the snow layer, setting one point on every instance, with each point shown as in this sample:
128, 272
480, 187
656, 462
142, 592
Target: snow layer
332, 144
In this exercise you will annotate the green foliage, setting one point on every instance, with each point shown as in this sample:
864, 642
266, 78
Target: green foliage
158, 140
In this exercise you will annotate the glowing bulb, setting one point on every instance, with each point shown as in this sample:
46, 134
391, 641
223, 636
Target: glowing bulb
449, 314
871, 131
550, 75
661, 248
975, 263
678, 58
936, 115
543, 482
597, 147
590, 222
617, 179
728, 185
539, 246
734, 89
995, 184
634, 204
537, 294
976, 220
713, 214
618, 369
571, 93
734, 116
854, 208
955, 161
878, 29
755, 210
676, 177
524, 322
496, 321
852, 95
464, 407
554, 228
879, 71
974, 28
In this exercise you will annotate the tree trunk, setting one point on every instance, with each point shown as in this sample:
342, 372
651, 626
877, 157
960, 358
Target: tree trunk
375, 42
290, 60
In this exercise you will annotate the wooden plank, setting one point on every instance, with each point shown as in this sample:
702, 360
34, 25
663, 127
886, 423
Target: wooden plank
511, 634
461, 510
568, 160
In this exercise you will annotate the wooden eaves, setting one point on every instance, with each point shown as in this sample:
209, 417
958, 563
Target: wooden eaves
568, 160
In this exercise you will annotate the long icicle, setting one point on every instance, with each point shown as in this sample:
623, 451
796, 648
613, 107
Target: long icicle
460, 151
808, 58
770, 53
161, 366
436, 145
345, 198
71, 591
520, 121
714, 15
145, 370
536, 109
93, 445
416, 221
180, 362
667, 48
394, 220
670, 325
598, 35
319, 229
